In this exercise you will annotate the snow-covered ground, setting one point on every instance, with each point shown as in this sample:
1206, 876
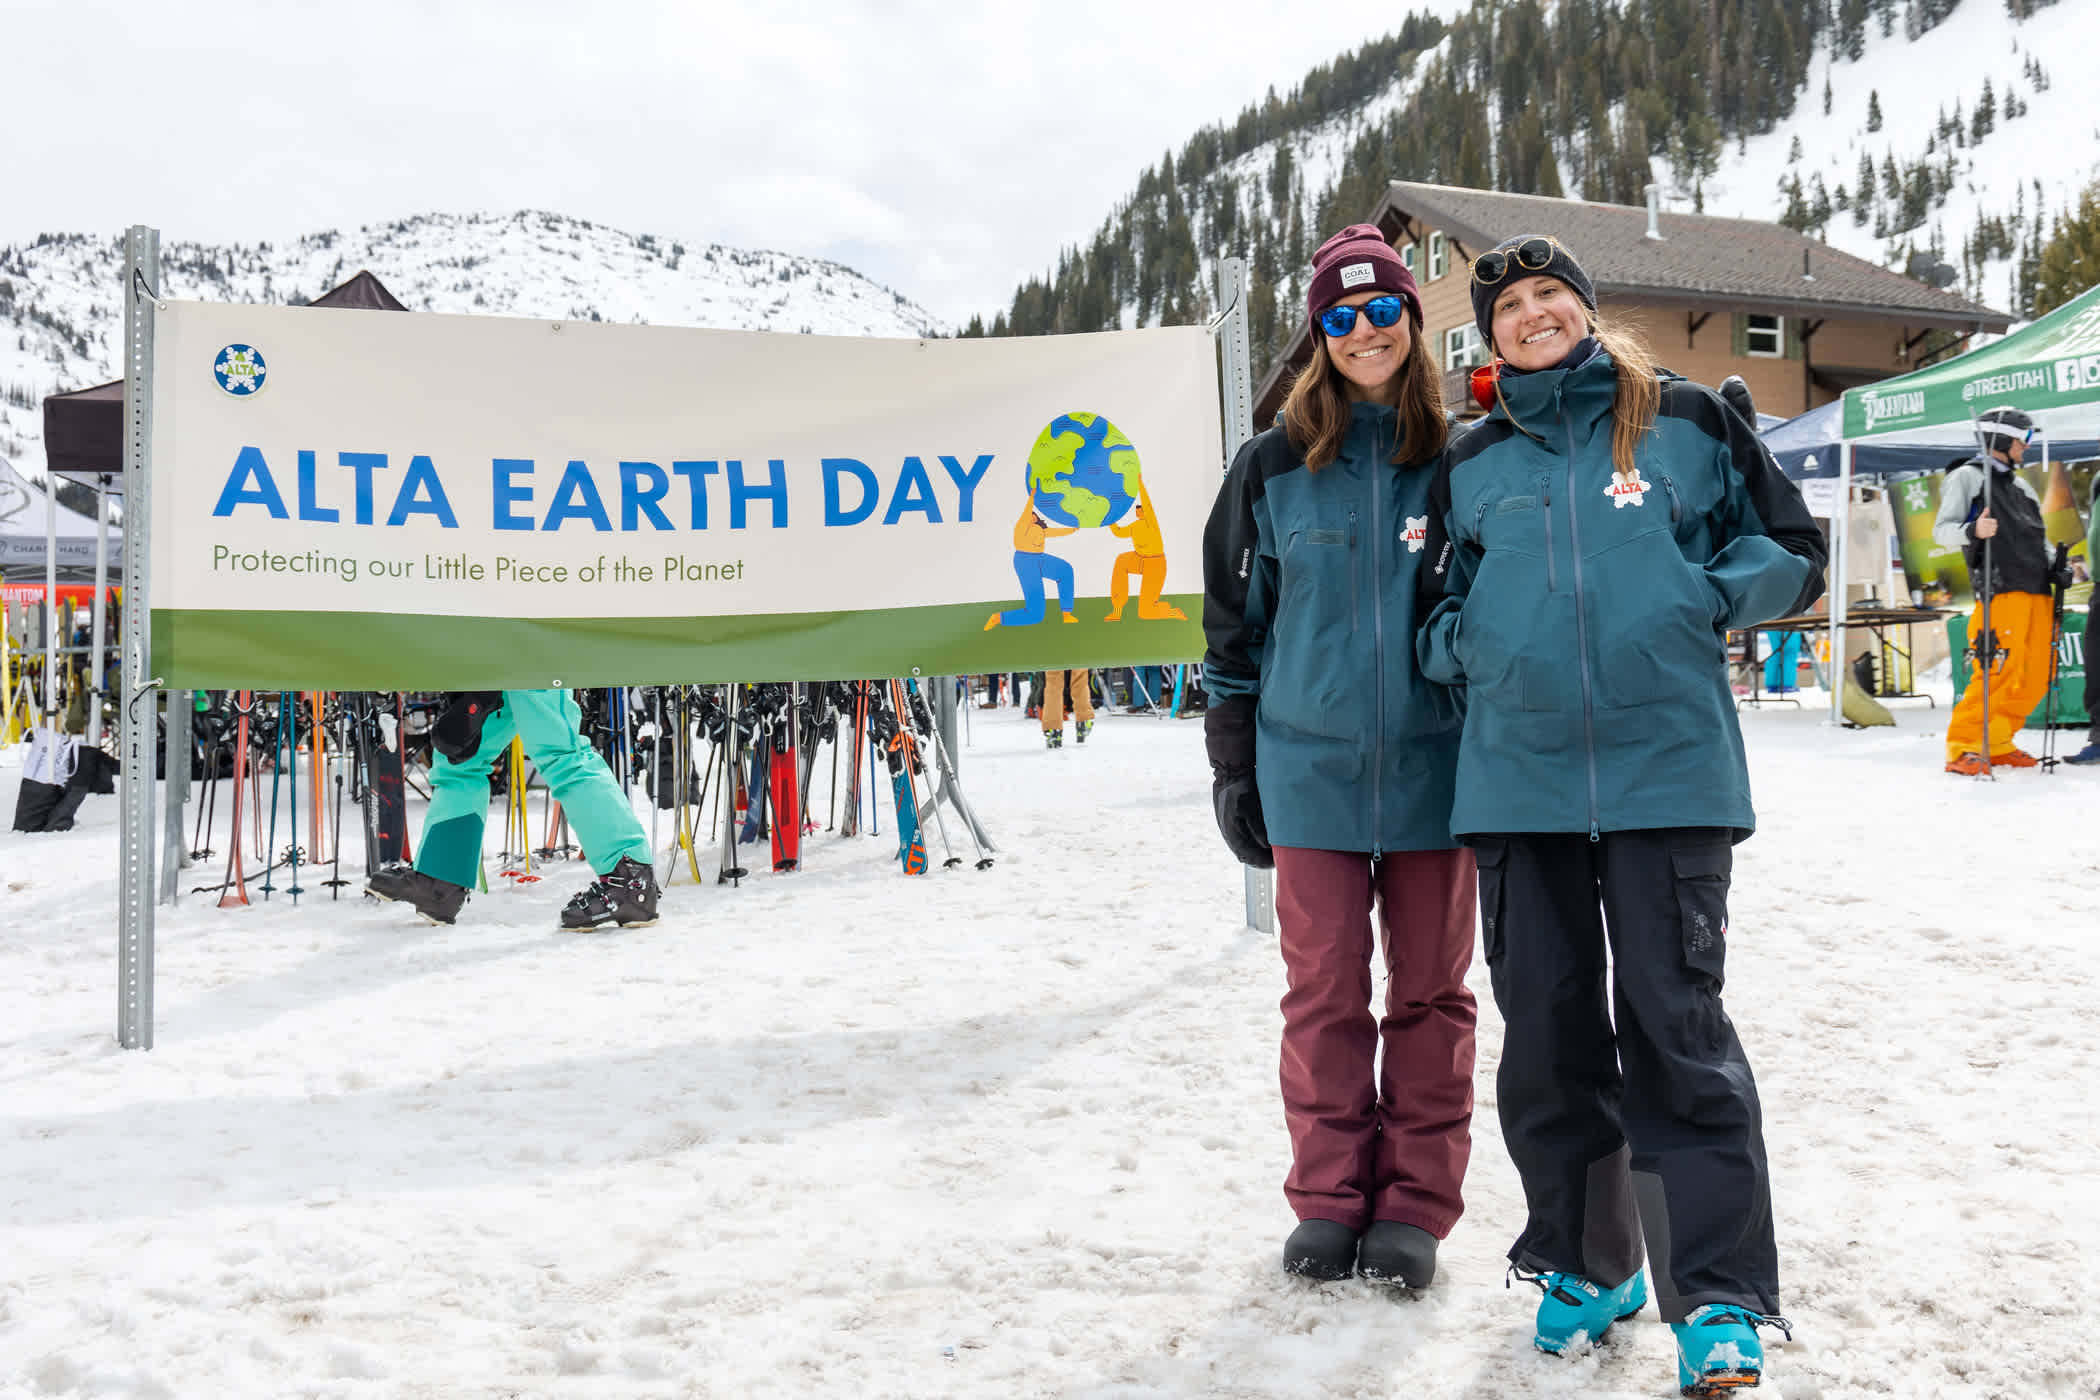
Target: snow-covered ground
996, 1134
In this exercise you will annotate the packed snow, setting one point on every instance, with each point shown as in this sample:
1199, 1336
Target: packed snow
995, 1133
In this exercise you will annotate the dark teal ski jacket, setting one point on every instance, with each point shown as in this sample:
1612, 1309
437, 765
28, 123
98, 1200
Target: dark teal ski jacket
1310, 606
1585, 613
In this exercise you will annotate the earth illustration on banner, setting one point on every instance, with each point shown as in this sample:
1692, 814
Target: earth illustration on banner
1083, 472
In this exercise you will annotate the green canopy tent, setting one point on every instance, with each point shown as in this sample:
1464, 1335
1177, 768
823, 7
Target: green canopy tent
2049, 368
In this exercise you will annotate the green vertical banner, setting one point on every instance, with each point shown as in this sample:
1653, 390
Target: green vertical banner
1936, 576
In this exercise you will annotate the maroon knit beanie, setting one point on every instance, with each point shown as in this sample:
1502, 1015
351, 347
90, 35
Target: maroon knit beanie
1358, 259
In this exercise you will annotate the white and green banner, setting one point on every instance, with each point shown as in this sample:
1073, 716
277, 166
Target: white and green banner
349, 499
2053, 363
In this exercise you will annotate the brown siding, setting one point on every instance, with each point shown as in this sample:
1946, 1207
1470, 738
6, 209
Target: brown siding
1860, 345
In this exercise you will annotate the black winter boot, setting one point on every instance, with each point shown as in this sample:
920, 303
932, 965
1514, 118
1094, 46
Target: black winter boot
436, 900
625, 895
1392, 1252
1320, 1249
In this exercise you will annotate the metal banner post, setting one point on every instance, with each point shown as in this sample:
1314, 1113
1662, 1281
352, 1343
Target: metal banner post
1237, 393
136, 724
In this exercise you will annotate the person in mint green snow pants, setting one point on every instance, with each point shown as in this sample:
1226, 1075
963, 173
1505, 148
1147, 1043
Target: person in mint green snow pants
470, 737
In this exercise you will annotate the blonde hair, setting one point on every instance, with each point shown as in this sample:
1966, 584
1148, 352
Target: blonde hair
1316, 412
1636, 399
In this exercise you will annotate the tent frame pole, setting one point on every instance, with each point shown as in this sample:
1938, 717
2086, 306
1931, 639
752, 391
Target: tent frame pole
136, 731
1840, 566
1236, 366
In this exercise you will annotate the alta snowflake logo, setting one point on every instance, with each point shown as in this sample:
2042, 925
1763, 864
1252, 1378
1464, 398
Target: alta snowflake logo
239, 370
1416, 534
1627, 489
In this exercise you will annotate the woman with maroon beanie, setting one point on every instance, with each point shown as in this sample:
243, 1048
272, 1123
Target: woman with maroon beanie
1333, 760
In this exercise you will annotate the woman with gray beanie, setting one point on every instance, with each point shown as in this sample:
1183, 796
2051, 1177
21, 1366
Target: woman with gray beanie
1332, 760
1598, 534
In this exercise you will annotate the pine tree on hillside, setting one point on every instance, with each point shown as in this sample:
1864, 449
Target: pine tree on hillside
1874, 110
1986, 113
2069, 263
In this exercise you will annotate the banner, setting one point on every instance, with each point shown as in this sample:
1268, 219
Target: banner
2052, 363
1938, 576
349, 500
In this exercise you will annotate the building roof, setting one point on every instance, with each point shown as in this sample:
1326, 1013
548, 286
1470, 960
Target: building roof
1701, 261
1700, 258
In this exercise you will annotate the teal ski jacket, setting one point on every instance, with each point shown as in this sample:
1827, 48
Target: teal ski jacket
1585, 613
1310, 605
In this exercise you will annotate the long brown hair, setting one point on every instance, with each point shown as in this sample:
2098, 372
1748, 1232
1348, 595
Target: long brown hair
1635, 399
1316, 414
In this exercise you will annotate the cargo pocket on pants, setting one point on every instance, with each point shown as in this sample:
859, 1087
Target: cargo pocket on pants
1702, 905
1491, 855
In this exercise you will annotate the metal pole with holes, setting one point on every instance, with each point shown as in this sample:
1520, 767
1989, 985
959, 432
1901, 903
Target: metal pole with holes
137, 719
1236, 368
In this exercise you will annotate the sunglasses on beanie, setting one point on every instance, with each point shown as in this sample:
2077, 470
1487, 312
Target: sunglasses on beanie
1381, 312
1531, 255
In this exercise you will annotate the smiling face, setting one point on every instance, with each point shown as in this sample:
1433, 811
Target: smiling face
1369, 358
1537, 322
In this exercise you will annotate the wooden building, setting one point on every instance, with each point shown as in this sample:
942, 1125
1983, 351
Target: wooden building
1800, 321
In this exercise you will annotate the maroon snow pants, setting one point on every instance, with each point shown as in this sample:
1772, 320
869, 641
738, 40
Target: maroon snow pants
1377, 1138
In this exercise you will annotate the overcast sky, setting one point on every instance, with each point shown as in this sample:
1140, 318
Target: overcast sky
947, 150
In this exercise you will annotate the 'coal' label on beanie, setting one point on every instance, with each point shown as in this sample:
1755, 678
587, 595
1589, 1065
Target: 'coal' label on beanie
1356, 274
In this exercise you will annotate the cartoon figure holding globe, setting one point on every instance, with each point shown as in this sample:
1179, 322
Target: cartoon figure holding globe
1083, 474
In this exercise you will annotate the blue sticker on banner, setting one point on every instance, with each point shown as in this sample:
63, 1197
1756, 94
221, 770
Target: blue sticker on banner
240, 370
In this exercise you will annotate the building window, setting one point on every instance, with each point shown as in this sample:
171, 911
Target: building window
1462, 348
1439, 256
1764, 336
1407, 260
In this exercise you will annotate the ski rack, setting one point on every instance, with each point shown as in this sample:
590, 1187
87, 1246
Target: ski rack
943, 694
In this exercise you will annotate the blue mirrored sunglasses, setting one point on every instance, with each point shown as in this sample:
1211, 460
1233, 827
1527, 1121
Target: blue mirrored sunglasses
1338, 321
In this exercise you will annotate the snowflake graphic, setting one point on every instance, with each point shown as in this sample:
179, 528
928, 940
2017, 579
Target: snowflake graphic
239, 369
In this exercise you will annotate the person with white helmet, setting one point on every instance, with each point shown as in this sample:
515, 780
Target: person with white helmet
1997, 524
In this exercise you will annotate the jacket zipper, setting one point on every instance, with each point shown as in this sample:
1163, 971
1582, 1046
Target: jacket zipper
1582, 631
1676, 506
1355, 582
1377, 480
1552, 570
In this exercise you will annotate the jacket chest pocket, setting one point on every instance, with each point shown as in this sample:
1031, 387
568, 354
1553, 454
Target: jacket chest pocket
1320, 568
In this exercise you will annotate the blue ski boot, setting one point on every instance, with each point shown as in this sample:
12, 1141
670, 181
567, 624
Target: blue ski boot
1575, 1313
1718, 1350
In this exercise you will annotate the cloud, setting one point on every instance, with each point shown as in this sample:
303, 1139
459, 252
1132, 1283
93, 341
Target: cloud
952, 149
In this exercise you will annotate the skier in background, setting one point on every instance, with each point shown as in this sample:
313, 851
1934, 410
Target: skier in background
1055, 687
1332, 760
2022, 610
1599, 532
469, 737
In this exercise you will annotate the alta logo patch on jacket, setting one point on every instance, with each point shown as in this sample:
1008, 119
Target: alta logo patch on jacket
1416, 534
1627, 488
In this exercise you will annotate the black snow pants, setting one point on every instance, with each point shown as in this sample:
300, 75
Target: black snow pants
1653, 1131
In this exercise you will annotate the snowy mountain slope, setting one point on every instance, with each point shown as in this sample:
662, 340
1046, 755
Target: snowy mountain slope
61, 320
1981, 198
2054, 145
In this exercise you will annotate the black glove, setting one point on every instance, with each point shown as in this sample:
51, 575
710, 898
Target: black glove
1228, 737
1737, 394
2060, 568
457, 734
